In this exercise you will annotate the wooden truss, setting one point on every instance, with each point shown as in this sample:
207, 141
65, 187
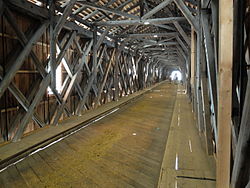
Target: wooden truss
109, 49
95, 69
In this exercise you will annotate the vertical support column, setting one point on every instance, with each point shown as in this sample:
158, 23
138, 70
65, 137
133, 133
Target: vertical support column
150, 72
199, 61
144, 76
224, 92
52, 43
211, 68
94, 57
188, 82
141, 74
116, 70
146, 73
197, 81
206, 105
192, 66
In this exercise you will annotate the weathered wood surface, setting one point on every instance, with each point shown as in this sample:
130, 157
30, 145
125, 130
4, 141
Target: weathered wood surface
124, 149
186, 163
225, 65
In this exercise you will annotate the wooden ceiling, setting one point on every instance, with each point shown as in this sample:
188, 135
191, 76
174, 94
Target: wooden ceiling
120, 18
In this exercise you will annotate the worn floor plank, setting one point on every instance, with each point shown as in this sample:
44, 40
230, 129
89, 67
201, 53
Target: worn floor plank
125, 149
185, 159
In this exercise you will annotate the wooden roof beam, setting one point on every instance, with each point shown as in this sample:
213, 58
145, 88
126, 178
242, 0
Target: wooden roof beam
142, 22
186, 12
113, 11
151, 35
156, 9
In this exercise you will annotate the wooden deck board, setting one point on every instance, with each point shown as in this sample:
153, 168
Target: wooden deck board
124, 149
17, 180
30, 177
6, 180
185, 159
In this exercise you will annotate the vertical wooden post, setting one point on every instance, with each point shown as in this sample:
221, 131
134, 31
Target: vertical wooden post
193, 52
198, 102
188, 82
116, 70
206, 114
94, 56
224, 92
53, 36
140, 74
192, 56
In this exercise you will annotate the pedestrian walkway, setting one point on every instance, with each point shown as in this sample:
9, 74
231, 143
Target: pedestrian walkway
185, 163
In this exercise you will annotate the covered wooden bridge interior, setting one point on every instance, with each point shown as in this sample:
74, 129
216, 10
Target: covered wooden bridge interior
88, 97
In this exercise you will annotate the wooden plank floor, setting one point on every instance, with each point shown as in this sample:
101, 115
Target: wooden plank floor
49, 132
185, 163
125, 149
